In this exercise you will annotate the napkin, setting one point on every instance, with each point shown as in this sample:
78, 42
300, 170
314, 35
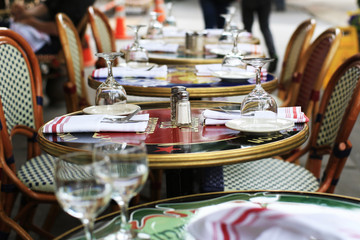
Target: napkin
216, 32
130, 72
243, 47
157, 46
92, 123
171, 31
280, 221
213, 117
208, 69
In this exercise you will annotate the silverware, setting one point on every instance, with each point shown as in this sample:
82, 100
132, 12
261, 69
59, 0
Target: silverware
150, 68
124, 119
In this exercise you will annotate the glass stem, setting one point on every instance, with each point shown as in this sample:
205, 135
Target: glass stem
235, 49
258, 76
123, 205
88, 228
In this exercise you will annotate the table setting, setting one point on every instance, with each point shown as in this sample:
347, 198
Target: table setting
243, 214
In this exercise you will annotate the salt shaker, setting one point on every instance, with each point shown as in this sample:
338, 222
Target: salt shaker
183, 110
173, 101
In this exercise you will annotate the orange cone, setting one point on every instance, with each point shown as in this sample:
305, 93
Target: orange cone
120, 29
87, 53
159, 8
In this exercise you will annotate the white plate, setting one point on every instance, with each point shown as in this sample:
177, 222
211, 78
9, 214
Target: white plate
259, 125
234, 74
116, 109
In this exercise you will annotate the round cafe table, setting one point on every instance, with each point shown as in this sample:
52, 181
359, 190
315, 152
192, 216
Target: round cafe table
170, 147
179, 151
167, 218
197, 86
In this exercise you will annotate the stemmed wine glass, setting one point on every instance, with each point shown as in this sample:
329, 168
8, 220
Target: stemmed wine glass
125, 166
226, 35
170, 19
136, 53
234, 58
110, 92
78, 191
155, 28
258, 99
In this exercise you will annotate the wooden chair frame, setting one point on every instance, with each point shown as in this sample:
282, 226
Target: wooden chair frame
308, 77
340, 151
295, 50
75, 87
25, 214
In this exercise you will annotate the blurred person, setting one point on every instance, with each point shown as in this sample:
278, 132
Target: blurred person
262, 8
38, 22
212, 10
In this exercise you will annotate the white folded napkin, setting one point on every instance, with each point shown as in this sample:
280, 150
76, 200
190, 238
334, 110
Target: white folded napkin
280, 221
215, 32
209, 69
243, 47
92, 123
130, 72
159, 46
171, 31
295, 114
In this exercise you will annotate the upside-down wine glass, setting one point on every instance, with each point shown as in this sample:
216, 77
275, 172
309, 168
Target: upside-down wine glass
258, 99
136, 53
170, 19
226, 35
125, 166
110, 92
155, 28
234, 58
78, 191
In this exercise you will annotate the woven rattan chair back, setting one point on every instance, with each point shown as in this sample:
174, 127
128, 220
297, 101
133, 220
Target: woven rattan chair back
75, 88
21, 101
295, 50
312, 70
102, 32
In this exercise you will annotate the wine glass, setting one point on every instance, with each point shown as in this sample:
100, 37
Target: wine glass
110, 92
155, 28
234, 58
258, 99
78, 191
170, 19
136, 53
125, 166
226, 35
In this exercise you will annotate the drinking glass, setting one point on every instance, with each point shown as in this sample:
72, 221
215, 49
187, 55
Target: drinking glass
155, 28
234, 58
170, 19
226, 35
78, 191
258, 99
110, 92
136, 53
125, 166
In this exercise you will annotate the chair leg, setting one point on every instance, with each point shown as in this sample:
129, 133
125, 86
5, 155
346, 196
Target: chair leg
156, 184
51, 216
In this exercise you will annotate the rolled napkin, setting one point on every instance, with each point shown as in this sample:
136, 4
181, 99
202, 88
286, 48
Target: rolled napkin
243, 47
130, 72
93, 123
213, 117
209, 69
280, 221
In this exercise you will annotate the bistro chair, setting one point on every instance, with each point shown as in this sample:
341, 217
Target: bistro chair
307, 83
295, 50
103, 34
21, 113
75, 89
330, 131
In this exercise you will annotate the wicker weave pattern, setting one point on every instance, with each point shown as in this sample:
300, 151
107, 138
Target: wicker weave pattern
335, 110
104, 34
15, 88
75, 59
